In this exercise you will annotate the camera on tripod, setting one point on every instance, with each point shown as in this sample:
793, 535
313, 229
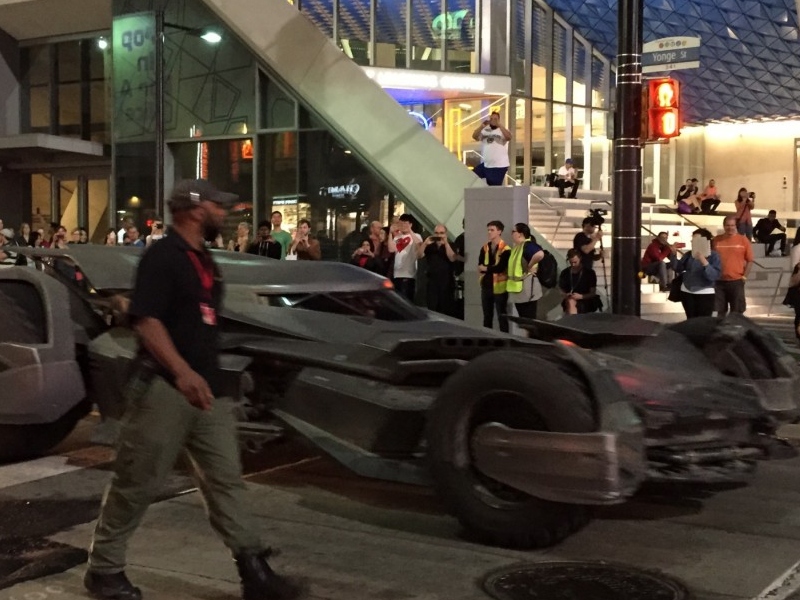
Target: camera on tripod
597, 215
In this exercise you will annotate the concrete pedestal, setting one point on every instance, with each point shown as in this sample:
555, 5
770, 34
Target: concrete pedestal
481, 205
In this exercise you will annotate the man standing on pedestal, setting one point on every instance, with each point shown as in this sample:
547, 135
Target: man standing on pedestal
494, 150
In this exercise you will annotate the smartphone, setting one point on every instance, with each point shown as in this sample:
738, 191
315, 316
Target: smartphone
680, 245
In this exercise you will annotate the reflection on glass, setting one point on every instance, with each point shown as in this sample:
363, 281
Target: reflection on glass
38, 58
541, 52
457, 27
319, 12
69, 109
277, 107
560, 59
69, 61
580, 56
354, 30
599, 82
428, 28
600, 152
390, 33
40, 107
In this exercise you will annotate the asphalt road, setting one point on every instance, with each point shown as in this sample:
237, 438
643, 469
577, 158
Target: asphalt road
722, 544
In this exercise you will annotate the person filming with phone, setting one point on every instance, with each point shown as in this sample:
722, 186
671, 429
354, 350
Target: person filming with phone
441, 279
700, 270
745, 202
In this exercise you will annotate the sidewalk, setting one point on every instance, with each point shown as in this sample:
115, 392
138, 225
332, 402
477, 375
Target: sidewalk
356, 539
175, 555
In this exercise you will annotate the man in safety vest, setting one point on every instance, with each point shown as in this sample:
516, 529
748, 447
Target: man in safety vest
493, 267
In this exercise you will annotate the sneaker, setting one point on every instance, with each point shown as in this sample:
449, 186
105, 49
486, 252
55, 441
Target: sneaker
111, 586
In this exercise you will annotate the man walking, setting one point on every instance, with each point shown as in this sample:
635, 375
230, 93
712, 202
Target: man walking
174, 405
736, 256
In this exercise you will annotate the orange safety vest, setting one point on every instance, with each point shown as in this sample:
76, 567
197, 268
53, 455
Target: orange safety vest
499, 279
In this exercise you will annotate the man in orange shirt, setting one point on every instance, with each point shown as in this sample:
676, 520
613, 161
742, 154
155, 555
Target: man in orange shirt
736, 254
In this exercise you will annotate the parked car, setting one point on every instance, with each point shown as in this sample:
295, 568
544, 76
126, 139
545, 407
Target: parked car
518, 436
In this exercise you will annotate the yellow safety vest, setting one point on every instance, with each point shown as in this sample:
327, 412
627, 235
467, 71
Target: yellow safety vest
499, 279
514, 283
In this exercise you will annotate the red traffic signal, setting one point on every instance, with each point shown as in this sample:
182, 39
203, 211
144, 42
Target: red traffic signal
663, 109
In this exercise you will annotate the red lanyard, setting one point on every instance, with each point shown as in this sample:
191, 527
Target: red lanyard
204, 272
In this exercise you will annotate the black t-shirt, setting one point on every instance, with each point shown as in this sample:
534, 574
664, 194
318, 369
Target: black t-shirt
439, 266
587, 258
581, 282
170, 288
269, 249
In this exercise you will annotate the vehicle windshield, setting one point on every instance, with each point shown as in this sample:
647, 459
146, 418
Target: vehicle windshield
384, 305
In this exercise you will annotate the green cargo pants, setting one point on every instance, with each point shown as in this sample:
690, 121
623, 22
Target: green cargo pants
156, 428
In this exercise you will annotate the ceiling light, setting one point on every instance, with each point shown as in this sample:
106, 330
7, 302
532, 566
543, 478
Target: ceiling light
102, 43
212, 37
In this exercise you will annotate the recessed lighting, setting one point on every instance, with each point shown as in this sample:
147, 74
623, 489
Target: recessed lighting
347, 152
102, 43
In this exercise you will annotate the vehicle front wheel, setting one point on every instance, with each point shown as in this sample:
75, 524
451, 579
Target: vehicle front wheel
521, 391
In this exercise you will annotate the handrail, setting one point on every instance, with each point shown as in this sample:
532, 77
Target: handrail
477, 116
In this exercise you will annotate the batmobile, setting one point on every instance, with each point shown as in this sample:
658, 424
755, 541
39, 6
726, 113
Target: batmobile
519, 436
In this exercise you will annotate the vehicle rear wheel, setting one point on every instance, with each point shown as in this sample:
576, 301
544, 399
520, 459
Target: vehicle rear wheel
20, 442
520, 391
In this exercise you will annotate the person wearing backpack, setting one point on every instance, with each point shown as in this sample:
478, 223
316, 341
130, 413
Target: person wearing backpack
523, 287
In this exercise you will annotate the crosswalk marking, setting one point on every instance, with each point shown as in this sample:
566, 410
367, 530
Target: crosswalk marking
34, 470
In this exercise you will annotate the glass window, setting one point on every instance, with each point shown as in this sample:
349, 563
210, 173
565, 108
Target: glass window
427, 32
390, 33
277, 107
40, 107
538, 114
319, 12
459, 34
580, 56
38, 65
69, 108
559, 134
599, 82
278, 165
600, 176
540, 62
578, 141
518, 60
560, 59
99, 113
354, 30
69, 62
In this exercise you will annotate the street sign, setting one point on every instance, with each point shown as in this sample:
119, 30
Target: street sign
671, 54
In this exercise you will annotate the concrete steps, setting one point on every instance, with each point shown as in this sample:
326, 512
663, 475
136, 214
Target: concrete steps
560, 221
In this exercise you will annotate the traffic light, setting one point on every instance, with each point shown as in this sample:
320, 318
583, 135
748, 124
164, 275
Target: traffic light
663, 109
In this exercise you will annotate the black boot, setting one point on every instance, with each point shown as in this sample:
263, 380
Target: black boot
111, 586
259, 581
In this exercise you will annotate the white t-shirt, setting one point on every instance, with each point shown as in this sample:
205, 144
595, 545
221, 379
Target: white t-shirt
405, 259
567, 173
495, 148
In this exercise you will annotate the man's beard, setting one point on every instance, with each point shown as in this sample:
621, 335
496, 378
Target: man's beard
210, 231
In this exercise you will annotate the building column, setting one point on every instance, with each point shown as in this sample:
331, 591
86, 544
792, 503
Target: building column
83, 202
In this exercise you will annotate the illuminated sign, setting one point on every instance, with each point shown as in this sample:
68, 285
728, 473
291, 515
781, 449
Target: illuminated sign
445, 82
340, 191
451, 25
421, 119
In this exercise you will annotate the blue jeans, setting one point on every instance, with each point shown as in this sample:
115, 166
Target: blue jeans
745, 228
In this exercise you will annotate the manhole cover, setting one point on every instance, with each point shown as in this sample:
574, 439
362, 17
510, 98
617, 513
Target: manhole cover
580, 581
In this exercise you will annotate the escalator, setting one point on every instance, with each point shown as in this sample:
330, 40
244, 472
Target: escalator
365, 118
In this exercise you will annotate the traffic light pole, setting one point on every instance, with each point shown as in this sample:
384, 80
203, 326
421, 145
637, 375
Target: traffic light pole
627, 199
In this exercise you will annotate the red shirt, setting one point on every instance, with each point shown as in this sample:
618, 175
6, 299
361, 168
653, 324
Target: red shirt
656, 252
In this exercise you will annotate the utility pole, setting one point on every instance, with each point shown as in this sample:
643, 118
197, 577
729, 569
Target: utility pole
627, 200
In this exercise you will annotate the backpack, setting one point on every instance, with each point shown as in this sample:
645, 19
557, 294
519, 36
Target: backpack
547, 271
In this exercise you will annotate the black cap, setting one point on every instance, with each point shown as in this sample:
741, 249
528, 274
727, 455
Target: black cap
190, 192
